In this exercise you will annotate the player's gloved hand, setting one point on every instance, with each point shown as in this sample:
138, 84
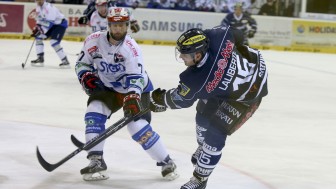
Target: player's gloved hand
36, 31
250, 33
132, 104
135, 26
91, 83
157, 103
82, 20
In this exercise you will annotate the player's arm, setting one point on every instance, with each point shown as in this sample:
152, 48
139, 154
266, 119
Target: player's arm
93, 23
85, 71
87, 13
253, 24
226, 21
176, 98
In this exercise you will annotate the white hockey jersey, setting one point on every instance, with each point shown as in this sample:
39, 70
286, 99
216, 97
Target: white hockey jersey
48, 15
97, 22
120, 67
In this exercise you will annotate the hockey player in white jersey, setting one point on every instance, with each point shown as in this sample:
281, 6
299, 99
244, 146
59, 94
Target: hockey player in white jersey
50, 23
98, 19
111, 71
134, 26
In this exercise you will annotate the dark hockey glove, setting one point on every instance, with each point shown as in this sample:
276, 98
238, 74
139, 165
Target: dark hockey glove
250, 33
135, 26
91, 83
157, 101
36, 31
132, 104
83, 20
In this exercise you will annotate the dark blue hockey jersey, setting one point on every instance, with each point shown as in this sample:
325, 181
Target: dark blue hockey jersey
229, 72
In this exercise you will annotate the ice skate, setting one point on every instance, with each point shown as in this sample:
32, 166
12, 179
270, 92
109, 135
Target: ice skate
39, 62
168, 170
65, 64
195, 183
96, 170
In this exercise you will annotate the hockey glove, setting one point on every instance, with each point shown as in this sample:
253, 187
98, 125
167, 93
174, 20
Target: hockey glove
157, 103
250, 33
135, 26
37, 31
132, 104
82, 20
91, 83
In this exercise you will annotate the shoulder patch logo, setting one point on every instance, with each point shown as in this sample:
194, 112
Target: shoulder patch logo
184, 90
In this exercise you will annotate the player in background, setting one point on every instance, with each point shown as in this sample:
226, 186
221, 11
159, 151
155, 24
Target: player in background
246, 5
111, 70
229, 81
98, 19
134, 26
239, 20
50, 23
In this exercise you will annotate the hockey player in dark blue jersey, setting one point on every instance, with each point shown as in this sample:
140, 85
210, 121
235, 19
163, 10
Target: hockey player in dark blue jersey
229, 81
240, 20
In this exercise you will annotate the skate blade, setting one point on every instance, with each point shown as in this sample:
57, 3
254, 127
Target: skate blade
37, 65
65, 67
171, 176
95, 176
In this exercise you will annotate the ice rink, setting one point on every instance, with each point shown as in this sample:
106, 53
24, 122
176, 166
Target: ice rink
290, 143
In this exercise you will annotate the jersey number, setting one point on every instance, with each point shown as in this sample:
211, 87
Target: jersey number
245, 71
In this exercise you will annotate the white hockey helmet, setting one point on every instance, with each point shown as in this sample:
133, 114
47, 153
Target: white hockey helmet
101, 2
118, 14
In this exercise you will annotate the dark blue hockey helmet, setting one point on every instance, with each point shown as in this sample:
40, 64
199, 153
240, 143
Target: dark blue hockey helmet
191, 41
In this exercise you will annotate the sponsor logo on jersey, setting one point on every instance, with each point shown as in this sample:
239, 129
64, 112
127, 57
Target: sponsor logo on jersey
92, 36
184, 90
133, 49
144, 138
199, 130
212, 149
111, 68
224, 117
93, 50
203, 171
222, 64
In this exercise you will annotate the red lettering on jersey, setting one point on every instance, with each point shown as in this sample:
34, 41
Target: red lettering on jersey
133, 49
222, 63
92, 36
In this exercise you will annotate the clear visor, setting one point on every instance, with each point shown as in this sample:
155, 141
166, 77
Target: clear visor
182, 58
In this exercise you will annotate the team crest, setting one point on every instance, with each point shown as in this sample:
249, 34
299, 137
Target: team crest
118, 58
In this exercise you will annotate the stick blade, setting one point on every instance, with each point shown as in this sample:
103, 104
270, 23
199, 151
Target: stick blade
76, 142
47, 166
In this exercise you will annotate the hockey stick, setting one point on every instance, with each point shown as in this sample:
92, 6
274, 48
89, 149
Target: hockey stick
115, 126
90, 144
23, 64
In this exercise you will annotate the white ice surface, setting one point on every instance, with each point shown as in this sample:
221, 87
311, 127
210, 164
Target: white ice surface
289, 143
